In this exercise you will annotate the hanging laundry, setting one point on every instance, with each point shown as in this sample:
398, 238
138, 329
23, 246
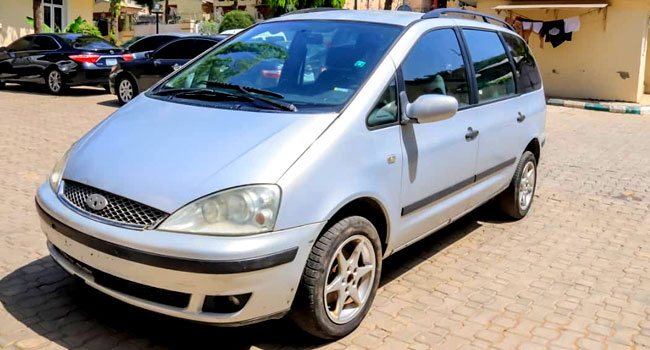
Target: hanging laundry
572, 24
553, 32
537, 27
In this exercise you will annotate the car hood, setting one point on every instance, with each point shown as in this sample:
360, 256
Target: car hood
166, 154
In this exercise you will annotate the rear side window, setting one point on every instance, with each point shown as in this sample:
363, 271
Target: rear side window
435, 66
177, 50
151, 43
528, 78
492, 69
201, 45
21, 44
44, 43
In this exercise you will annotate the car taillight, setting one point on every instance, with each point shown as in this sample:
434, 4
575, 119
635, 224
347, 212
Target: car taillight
127, 56
272, 73
85, 57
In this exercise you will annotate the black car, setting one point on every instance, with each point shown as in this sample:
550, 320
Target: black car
139, 46
59, 60
129, 78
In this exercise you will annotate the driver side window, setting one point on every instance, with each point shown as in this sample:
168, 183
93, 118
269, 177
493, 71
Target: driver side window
385, 110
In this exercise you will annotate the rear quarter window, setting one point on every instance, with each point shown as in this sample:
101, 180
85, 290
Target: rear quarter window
528, 77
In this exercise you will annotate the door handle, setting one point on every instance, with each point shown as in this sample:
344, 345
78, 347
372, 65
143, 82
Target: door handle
471, 134
521, 117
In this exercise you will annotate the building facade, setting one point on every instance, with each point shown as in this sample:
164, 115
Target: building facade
606, 58
56, 13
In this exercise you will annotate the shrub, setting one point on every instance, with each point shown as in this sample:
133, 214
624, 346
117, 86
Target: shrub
236, 19
208, 27
81, 26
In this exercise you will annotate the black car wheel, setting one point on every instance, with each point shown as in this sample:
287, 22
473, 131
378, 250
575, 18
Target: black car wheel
126, 90
54, 82
2, 85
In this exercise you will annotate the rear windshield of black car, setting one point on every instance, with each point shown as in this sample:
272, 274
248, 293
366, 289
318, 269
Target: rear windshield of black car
87, 42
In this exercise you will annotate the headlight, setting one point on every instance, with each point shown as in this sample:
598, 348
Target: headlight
57, 172
238, 211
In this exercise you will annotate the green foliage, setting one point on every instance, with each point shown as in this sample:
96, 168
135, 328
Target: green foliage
208, 27
81, 26
236, 19
46, 28
279, 7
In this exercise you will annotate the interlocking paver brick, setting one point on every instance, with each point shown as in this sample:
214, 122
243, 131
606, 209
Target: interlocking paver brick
573, 274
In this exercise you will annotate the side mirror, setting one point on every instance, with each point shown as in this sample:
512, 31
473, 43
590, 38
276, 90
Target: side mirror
432, 108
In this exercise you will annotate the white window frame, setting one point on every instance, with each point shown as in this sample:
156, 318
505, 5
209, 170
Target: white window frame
64, 14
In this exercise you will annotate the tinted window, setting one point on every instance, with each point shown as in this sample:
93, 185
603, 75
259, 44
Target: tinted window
435, 66
44, 43
385, 110
150, 43
312, 63
87, 42
528, 78
177, 50
201, 46
491, 65
21, 44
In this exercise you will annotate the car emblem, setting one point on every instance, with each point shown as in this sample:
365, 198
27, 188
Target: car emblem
96, 201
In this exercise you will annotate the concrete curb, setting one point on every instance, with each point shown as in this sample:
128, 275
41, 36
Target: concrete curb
602, 107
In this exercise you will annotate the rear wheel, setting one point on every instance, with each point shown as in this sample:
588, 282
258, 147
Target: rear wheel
2, 84
340, 280
518, 198
54, 82
126, 90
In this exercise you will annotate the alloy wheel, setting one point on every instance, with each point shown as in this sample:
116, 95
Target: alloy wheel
349, 279
527, 186
55, 81
125, 90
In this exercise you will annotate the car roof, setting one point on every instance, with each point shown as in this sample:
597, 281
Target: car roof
205, 37
401, 18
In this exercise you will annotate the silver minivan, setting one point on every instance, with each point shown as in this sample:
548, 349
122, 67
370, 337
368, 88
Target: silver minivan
271, 175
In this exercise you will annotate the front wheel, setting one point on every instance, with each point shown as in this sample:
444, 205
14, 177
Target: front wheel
54, 82
126, 90
340, 280
517, 199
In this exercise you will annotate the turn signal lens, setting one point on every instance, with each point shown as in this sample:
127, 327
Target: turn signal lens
85, 57
127, 56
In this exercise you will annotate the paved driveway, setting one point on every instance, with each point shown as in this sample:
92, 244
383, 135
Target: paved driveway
574, 274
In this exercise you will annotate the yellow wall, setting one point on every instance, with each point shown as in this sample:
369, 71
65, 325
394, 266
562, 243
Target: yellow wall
12, 20
605, 60
13, 24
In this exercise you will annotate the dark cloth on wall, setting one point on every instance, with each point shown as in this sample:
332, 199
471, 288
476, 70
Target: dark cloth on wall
554, 33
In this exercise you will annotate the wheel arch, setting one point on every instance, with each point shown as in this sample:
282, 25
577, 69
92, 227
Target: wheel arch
534, 148
129, 75
370, 208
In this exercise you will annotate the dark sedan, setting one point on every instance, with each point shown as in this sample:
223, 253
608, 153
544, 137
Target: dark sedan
59, 60
140, 46
129, 78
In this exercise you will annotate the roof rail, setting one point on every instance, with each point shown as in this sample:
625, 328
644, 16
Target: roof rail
438, 12
310, 10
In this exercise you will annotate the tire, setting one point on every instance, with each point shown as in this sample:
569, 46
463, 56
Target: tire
54, 82
2, 85
334, 314
512, 201
125, 89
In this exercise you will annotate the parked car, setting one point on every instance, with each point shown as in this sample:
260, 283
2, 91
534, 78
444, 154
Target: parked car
59, 61
130, 77
212, 199
140, 46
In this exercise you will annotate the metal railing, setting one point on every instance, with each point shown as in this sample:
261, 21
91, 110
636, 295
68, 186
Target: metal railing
487, 18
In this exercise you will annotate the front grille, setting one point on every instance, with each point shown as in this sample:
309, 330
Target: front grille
157, 295
119, 209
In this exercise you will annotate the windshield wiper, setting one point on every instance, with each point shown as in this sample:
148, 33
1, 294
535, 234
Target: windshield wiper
253, 93
203, 94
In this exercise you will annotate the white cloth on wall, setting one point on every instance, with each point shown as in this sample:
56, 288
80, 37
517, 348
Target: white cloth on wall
572, 24
537, 26
527, 25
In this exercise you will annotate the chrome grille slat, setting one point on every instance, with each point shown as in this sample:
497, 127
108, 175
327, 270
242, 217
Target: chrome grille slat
119, 209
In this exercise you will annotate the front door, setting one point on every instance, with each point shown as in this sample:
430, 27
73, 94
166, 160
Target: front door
440, 157
13, 61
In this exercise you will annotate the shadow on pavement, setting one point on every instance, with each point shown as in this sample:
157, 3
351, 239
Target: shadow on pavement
57, 306
110, 103
39, 89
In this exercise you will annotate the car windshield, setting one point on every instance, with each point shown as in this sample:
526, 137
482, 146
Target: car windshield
310, 64
87, 42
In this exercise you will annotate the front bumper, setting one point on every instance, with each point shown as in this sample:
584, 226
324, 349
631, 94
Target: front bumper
266, 267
